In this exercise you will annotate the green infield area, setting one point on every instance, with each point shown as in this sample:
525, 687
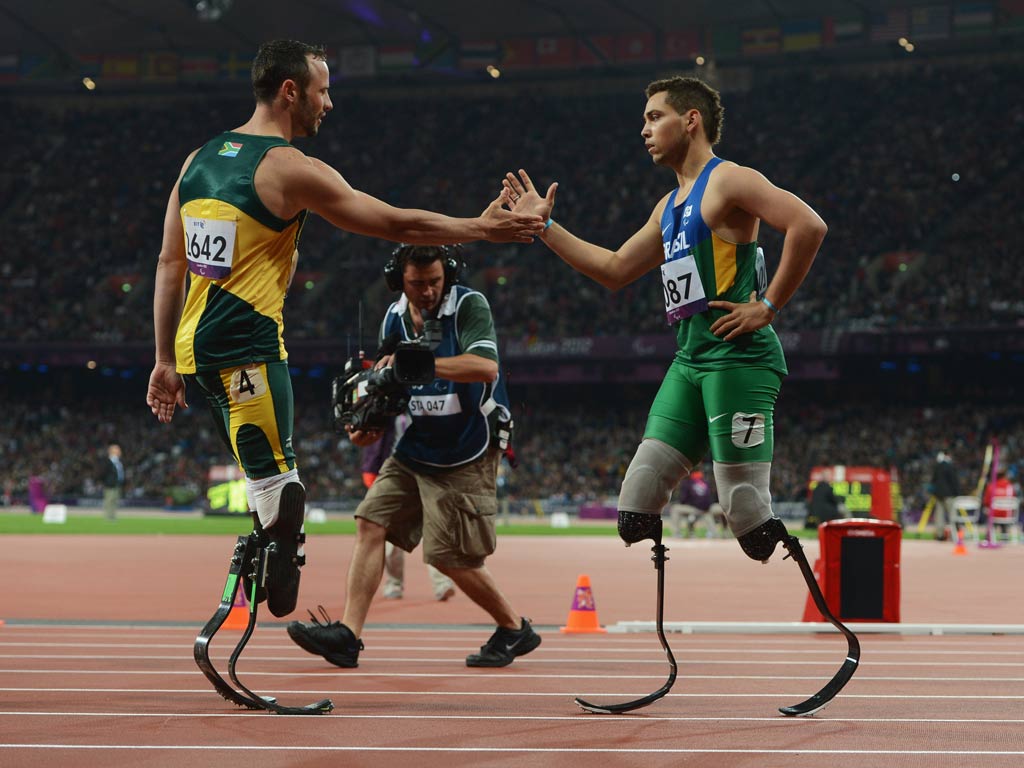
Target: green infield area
191, 524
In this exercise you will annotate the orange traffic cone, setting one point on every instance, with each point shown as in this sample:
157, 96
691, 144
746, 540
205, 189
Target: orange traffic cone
959, 549
239, 616
583, 614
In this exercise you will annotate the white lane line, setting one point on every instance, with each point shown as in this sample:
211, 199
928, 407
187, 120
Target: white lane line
501, 675
548, 648
579, 717
520, 750
511, 694
522, 661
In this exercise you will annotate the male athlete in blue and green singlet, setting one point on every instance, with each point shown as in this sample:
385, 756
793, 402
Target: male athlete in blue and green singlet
720, 390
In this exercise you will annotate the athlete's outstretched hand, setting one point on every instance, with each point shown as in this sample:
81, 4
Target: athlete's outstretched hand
742, 318
509, 226
166, 391
523, 195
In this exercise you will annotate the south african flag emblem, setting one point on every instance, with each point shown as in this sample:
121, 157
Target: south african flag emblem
230, 149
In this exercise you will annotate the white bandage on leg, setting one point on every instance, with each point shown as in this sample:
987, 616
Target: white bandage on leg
265, 495
654, 472
744, 495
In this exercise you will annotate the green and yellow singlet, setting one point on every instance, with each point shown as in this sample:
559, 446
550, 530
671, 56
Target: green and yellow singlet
239, 259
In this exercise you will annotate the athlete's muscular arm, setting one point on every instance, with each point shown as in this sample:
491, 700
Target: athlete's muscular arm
613, 269
288, 180
466, 368
737, 187
166, 387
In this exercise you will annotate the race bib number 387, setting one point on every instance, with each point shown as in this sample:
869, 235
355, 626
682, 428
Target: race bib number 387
684, 292
210, 247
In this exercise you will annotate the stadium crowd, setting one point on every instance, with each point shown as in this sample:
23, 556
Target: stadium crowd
876, 153
568, 454
912, 169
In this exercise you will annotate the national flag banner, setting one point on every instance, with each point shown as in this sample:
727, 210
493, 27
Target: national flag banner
479, 54
89, 64
842, 31
198, 66
682, 45
759, 41
929, 23
802, 35
356, 61
556, 52
236, 66
120, 67
392, 58
723, 41
890, 26
635, 48
38, 67
1011, 14
161, 67
595, 51
519, 54
8, 67
973, 18
439, 55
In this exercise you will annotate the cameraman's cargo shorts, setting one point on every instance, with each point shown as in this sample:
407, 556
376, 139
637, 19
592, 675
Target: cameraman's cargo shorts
452, 512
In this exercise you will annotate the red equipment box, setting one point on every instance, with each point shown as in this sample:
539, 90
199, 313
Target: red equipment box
859, 570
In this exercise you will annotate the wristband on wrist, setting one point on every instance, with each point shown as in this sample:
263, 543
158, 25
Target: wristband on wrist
549, 222
767, 302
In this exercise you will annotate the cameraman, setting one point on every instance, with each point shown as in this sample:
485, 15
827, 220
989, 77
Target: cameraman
439, 485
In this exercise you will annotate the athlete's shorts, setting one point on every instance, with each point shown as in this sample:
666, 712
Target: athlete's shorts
731, 410
253, 410
452, 511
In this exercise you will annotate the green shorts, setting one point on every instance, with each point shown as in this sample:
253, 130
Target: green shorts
731, 410
452, 512
253, 410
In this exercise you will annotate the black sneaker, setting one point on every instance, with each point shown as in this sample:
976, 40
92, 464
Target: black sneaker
330, 639
504, 645
283, 559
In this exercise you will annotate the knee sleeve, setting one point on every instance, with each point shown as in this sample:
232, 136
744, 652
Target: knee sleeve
743, 494
265, 495
654, 472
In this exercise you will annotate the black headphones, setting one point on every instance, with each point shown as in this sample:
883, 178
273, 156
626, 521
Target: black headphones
451, 260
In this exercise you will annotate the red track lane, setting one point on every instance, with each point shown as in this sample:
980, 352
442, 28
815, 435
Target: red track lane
131, 695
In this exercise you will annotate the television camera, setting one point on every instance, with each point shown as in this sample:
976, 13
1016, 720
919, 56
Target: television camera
365, 398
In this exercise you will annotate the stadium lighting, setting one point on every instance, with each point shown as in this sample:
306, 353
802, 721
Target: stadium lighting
211, 10
700, 61
89, 83
909, 47
493, 71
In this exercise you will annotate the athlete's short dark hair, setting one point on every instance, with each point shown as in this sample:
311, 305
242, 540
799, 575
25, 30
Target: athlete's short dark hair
281, 60
690, 93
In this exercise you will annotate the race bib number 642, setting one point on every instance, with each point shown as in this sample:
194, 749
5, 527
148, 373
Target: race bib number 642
210, 247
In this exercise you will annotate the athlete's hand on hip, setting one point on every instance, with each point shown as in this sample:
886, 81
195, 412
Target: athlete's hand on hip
742, 318
166, 391
508, 226
523, 195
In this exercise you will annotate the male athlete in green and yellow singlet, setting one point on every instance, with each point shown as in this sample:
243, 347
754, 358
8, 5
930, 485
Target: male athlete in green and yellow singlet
232, 226
719, 392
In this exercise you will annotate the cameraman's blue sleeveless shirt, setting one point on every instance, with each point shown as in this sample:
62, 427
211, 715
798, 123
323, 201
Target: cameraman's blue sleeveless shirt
453, 423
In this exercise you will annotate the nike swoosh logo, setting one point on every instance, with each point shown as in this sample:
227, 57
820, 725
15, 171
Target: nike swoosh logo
510, 646
713, 419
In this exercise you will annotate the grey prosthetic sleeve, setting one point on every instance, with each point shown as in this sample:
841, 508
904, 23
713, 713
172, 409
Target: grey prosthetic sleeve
743, 493
654, 472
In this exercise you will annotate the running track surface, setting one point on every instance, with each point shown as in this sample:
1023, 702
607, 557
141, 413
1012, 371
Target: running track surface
96, 666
